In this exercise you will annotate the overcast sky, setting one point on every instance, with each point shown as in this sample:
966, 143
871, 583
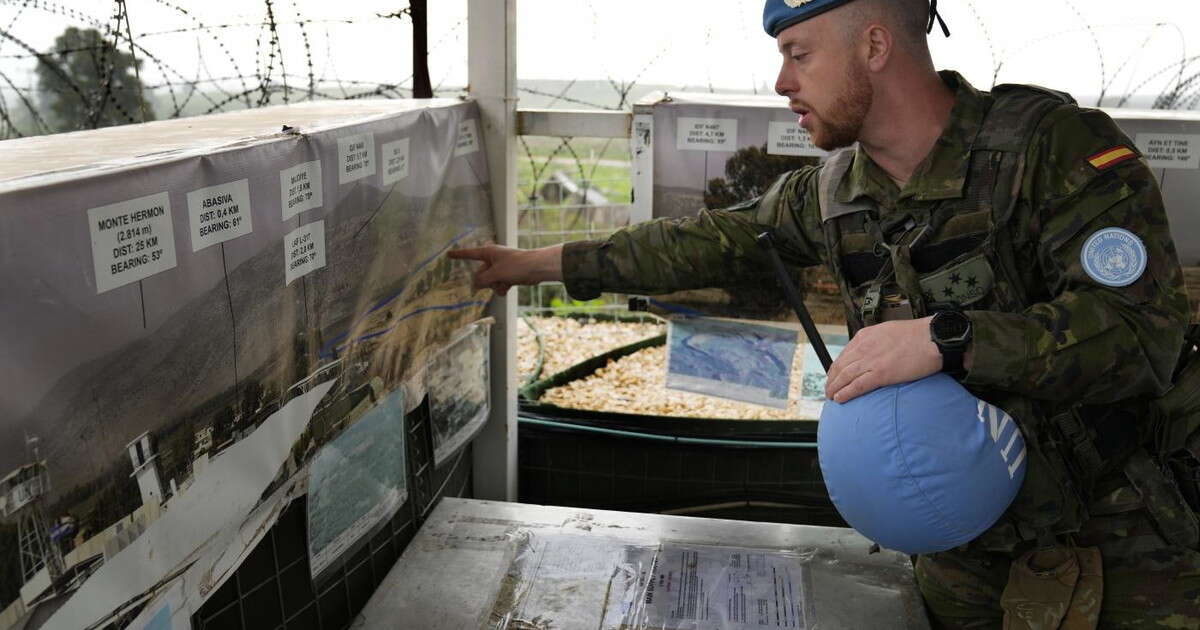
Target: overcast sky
1083, 46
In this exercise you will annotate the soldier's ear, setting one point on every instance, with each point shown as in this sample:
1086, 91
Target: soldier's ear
879, 44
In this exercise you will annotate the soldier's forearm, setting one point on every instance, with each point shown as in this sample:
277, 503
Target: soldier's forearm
1080, 345
544, 264
715, 248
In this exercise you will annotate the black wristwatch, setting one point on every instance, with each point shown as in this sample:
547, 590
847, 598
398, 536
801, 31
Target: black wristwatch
951, 332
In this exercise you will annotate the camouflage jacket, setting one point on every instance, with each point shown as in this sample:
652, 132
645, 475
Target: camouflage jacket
1046, 334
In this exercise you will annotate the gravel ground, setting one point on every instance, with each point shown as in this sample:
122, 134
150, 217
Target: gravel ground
637, 384
568, 341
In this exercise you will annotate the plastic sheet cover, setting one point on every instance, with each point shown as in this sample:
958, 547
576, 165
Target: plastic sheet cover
459, 385
561, 581
765, 363
747, 361
357, 481
210, 310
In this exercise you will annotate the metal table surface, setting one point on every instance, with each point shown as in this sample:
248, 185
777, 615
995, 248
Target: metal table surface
448, 577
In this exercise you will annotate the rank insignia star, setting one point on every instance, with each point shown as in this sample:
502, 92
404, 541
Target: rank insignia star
948, 292
972, 281
955, 278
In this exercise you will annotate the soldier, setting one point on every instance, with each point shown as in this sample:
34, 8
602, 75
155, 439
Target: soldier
1012, 239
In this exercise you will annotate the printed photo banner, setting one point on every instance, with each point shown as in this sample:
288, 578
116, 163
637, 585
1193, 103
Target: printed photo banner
713, 150
210, 310
697, 150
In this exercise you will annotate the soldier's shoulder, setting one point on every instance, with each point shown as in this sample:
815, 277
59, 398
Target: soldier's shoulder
1074, 146
793, 190
1013, 113
1022, 92
802, 181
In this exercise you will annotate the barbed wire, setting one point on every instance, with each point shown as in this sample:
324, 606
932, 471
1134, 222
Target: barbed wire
268, 81
260, 69
84, 71
271, 52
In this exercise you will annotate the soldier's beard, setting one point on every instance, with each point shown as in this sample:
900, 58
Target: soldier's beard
843, 122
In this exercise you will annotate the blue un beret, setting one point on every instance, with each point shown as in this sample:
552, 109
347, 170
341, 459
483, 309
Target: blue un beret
780, 14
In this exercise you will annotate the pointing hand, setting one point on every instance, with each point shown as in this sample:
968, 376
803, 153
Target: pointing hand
504, 267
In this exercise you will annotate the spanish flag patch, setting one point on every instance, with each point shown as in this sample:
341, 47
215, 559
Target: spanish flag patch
1109, 158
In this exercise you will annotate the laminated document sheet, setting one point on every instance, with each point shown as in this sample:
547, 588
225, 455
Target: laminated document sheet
508, 566
459, 386
357, 481
758, 362
568, 581
747, 361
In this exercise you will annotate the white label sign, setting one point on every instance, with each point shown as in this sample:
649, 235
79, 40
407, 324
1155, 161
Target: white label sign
1168, 150
395, 161
356, 157
300, 188
304, 249
789, 138
643, 168
468, 138
219, 213
131, 240
707, 134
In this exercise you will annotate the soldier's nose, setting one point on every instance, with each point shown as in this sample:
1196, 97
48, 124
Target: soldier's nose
784, 86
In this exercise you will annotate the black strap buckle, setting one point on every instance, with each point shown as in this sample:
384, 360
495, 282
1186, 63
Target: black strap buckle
1087, 459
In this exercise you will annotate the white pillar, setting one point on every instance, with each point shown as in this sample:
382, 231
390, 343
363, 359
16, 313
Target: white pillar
492, 76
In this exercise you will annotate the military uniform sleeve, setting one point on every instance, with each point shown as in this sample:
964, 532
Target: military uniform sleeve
1087, 340
717, 248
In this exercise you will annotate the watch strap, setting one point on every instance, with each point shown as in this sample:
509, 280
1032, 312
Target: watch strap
953, 351
952, 362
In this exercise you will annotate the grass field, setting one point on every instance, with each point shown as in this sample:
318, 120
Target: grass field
591, 163
603, 162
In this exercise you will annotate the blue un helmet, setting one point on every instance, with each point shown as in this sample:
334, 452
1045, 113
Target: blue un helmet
780, 14
920, 467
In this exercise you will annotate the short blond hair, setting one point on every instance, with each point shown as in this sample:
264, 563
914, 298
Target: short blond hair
907, 19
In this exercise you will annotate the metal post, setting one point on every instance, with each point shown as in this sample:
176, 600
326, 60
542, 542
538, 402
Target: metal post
419, 10
492, 75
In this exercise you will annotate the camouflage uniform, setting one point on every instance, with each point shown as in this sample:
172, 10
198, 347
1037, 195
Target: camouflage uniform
993, 222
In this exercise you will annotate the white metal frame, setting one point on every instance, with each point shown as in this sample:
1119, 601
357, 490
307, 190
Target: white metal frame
492, 75
567, 123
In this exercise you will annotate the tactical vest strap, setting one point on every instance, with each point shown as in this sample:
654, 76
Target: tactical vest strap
1191, 350
832, 173
1081, 442
1163, 500
1177, 432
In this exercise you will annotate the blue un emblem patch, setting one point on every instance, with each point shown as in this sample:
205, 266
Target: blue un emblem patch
1114, 257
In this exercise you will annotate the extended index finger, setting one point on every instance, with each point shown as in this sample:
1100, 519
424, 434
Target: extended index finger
469, 253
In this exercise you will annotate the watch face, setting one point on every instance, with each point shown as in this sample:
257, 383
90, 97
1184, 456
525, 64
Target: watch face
950, 326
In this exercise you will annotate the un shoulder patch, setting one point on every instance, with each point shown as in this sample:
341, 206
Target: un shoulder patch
1114, 257
1109, 158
